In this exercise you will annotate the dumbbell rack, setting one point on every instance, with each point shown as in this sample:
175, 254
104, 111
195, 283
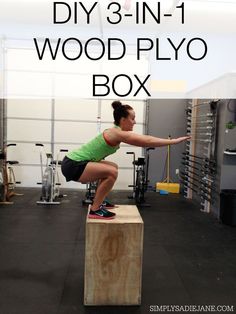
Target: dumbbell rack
199, 162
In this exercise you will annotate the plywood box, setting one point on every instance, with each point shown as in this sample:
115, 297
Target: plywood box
113, 259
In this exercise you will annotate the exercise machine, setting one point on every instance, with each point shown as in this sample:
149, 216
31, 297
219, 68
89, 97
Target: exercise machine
140, 176
50, 192
7, 176
91, 188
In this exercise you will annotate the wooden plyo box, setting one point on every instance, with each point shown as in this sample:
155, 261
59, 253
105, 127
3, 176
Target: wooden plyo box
113, 259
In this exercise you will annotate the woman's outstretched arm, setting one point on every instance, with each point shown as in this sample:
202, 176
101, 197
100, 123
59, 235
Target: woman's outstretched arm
131, 138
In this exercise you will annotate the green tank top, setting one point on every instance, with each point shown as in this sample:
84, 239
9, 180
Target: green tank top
95, 150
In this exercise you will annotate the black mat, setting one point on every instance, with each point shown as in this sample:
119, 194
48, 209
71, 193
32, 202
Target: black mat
189, 257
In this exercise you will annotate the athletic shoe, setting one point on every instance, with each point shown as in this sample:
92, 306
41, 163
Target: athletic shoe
108, 205
101, 213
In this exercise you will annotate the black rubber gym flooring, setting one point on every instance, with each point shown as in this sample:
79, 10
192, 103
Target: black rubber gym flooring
189, 257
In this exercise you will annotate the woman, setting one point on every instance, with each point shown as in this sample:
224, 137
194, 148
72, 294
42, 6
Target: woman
86, 164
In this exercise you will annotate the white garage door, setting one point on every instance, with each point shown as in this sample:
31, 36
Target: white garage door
57, 122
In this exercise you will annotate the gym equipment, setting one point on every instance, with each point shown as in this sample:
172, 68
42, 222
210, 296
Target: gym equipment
113, 259
205, 169
230, 151
140, 176
50, 178
201, 186
204, 159
199, 161
91, 188
167, 184
7, 177
202, 195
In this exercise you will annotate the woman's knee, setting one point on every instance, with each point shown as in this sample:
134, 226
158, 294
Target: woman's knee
114, 165
113, 172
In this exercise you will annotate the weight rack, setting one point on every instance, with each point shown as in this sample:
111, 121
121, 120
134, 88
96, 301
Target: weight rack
199, 166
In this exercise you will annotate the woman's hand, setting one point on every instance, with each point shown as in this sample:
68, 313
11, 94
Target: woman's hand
181, 139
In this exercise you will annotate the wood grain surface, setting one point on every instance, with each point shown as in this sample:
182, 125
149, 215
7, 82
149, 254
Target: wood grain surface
113, 259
